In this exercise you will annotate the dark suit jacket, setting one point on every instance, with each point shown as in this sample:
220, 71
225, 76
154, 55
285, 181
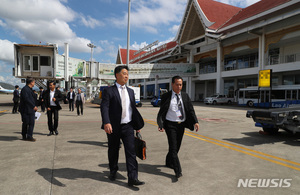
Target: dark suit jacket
57, 95
41, 95
191, 118
73, 95
27, 101
111, 109
16, 95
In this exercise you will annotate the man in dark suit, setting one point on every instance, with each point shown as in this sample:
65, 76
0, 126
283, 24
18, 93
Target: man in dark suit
41, 99
71, 97
16, 99
52, 98
175, 114
120, 118
27, 109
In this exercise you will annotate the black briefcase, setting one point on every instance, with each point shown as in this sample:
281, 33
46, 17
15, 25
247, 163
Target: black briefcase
140, 147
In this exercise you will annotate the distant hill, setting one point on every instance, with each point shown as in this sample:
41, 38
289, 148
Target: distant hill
7, 86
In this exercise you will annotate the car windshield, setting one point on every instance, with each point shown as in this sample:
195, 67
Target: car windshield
214, 96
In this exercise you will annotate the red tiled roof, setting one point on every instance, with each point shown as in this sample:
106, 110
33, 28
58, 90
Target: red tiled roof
217, 12
257, 8
145, 55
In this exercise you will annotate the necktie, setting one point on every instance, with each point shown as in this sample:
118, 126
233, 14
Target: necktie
123, 97
180, 107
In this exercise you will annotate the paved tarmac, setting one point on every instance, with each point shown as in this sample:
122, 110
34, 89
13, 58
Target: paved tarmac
227, 149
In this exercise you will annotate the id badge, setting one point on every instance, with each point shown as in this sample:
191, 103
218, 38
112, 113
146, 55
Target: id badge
178, 113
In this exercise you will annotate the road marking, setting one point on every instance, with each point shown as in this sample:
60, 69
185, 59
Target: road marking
3, 111
261, 155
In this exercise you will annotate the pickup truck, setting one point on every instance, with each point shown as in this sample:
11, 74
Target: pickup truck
272, 120
218, 99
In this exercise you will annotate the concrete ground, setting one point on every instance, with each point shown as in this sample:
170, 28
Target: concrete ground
226, 150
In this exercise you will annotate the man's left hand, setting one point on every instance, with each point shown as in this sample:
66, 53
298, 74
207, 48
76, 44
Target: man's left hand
138, 131
196, 127
54, 99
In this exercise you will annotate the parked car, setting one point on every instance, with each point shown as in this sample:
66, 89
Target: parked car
218, 99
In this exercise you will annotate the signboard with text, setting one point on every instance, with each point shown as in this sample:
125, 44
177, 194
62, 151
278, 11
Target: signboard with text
265, 78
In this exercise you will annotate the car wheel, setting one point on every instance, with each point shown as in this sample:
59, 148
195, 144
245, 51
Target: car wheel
229, 102
214, 102
250, 104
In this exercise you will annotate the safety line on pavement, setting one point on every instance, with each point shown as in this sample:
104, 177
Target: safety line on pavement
238, 148
3, 111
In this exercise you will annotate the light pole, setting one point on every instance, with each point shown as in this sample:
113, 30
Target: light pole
128, 32
92, 46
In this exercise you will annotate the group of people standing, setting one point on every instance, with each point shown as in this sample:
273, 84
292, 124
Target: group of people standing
120, 118
49, 100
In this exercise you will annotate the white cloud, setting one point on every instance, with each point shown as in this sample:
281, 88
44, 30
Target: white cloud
90, 22
6, 51
150, 14
174, 29
37, 21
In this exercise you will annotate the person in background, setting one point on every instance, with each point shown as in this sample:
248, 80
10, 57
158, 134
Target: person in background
41, 99
35, 97
27, 109
71, 97
80, 100
175, 114
16, 100
52, 98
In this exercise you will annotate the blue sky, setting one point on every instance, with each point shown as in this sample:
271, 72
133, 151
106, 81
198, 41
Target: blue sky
78, 22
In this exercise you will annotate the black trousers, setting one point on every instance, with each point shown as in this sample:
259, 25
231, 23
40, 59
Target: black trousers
27, 125
16, 105
175, 134
126, 133
71, 104
42, 104
79, 104
52, 115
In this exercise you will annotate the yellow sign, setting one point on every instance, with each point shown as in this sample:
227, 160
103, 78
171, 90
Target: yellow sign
265, 78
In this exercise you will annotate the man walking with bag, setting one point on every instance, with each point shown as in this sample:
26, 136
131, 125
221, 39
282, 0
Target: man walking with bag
175, 114
120, 118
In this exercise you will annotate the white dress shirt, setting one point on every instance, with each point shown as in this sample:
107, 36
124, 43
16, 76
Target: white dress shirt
52, 103
71, 95
171, 114
128, 117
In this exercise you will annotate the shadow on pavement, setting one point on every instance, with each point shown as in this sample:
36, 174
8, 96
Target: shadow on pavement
93, 143
254, 138
146, 168
9, 138
74, 174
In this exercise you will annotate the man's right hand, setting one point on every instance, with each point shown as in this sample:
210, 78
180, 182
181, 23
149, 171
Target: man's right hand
35, 108
161, 129
48, 109
108, 128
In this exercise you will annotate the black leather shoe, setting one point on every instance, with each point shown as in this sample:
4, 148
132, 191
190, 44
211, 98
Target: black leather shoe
31, 139
56, 132
135, 182
112, 177
50, 133
177, 175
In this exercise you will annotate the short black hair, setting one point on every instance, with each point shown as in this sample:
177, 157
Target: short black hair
176, 78
53, 82
41, 88
29, 80
17, 86
118, 69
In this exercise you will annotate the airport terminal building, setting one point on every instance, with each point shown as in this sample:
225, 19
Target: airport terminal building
229, 46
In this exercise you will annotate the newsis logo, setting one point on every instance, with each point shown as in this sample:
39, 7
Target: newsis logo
264, 183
